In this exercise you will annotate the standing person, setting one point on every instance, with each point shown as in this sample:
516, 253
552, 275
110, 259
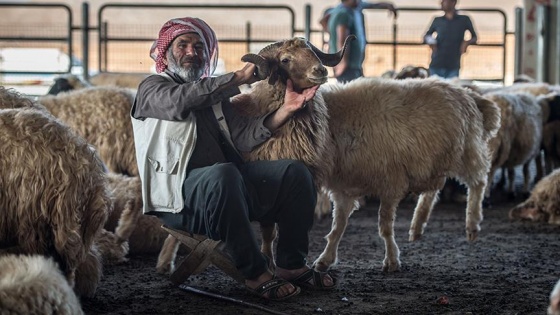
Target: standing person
449, 44
348, 19
187, 139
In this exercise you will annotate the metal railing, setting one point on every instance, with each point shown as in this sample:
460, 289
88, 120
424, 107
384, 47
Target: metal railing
21, 38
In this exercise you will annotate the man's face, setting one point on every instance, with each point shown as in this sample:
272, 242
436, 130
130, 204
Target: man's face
186, 58
448, 5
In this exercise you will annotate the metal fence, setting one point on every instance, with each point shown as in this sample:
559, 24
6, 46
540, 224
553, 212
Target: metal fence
121, 44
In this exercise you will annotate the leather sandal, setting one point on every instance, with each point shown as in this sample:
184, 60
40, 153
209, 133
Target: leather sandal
271, 287
313, 280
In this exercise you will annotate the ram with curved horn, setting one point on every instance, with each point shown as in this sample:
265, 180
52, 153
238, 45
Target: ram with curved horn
304, 64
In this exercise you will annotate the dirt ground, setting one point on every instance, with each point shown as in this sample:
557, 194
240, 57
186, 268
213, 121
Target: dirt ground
510, 269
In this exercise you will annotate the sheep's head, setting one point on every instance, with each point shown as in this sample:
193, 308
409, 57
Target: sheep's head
295, 59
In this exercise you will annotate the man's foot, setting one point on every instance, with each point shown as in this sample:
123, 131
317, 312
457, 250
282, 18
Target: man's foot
269, 287
306, 277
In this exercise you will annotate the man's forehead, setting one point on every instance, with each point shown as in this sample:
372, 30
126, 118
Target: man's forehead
188, 37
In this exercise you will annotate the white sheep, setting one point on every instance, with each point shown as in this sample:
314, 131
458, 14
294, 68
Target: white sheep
101, 116
384, 138
519, 139
35, 285
400, 137
544, 202
52, 191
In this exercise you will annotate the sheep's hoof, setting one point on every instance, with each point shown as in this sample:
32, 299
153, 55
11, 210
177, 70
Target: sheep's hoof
414, 237
472, 235
321, 267
391, 267
165, 269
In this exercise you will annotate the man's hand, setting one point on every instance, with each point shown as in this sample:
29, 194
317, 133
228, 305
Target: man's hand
293, 101
245, 75
464, 46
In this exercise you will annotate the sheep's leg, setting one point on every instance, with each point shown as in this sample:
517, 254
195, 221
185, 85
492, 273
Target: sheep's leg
323, 206
128, 221
268, 233
526, 179
539, 166
421, 216
343, 208
511, 182
167, 255
474, 209
387, 213
488, 188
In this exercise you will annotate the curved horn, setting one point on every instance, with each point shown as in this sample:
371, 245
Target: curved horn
263, 70
331, 60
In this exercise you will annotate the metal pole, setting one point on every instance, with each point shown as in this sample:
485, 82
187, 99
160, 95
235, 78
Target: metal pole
307, 22
248, 32
85, 41
518, 41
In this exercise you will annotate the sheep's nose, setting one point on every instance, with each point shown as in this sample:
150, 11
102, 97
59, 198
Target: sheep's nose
321, 70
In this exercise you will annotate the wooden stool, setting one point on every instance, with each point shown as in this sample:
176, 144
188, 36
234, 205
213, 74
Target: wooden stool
203, 252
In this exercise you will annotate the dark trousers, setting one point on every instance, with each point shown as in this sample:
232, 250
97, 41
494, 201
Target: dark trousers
221, 200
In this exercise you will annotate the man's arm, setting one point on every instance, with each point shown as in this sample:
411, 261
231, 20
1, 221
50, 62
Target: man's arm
429, 38
380, 5
342, 32
158, 97
472, 41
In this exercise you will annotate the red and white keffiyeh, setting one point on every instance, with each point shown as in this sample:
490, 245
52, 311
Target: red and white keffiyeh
176, 27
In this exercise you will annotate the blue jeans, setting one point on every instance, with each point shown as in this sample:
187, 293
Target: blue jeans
444, 73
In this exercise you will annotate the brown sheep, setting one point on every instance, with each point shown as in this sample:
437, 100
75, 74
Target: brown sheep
35, 285
143, 232
56, 179
551, 145
125, 80
102, 116
544, 202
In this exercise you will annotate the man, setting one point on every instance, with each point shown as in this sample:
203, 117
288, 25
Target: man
348, 19
187, 139
449, 44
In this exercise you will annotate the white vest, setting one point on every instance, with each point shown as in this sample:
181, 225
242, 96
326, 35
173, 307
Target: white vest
163, 151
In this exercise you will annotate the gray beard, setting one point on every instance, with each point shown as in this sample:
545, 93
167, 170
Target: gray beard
189, 75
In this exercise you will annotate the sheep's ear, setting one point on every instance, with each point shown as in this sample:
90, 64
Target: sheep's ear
273, 75
263, 69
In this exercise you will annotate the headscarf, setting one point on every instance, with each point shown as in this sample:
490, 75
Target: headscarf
177, 27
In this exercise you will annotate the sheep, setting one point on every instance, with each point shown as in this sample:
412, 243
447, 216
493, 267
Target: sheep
385, 157
34, 285
412, 72
544, 202
143, 232
101, 116
125, 80
554, 307
67, 82
551, 145
519, 139
52, 191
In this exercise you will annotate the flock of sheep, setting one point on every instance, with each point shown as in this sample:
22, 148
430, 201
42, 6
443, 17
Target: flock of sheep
71, 199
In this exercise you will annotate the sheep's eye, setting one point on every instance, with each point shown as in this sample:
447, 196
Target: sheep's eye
285, 60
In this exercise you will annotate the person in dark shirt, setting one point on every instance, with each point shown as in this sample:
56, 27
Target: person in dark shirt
348, 19
188, 139
449, 44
